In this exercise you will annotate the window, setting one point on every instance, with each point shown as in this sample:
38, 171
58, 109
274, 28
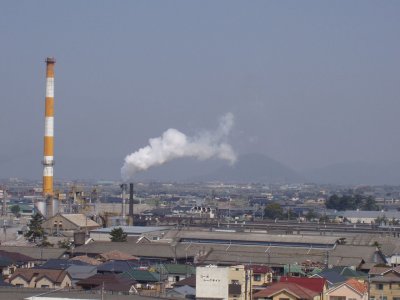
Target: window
235, 281
379, 286
176, 278
337, 298
257, 277
372, 298
19, 285
45, 286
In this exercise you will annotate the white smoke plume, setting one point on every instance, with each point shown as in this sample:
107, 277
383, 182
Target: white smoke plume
175, 144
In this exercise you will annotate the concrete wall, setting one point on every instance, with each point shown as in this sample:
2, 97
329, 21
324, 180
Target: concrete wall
212, 282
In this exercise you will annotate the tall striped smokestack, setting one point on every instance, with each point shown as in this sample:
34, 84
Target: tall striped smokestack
48, 159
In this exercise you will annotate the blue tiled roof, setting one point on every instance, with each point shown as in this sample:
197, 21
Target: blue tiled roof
116, 266
61, 264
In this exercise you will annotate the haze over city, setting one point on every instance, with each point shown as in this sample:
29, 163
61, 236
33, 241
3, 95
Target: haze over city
310, 83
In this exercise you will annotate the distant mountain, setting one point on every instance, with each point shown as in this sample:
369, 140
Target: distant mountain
357, 173
255, 168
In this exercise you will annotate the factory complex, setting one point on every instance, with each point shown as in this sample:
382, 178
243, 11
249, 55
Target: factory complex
215, 241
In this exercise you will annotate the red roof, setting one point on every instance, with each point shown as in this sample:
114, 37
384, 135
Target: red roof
314, 284
292, 288
358, 286
259, 269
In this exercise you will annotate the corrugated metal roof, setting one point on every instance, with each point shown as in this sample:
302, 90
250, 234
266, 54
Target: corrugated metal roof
342, 255
252, 238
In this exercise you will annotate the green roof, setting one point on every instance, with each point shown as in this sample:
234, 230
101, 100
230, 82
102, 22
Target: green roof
293, 269
179, 269
349, 272
316, 271
142, 275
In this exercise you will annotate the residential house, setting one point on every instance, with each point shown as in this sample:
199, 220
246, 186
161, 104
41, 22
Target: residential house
332, 277
10, 261
86, 259
41, 278
346, 272
61, 264
351, 289
384, 284
262, 276
175, 272
225, 283
184, 292
287, 291
190, 281
116, 267
108, 283
144, 279
78, 272
116, 255
318, 285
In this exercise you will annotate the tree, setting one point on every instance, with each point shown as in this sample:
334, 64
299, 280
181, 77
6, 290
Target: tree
370, 204
310, 215
273, 211
15, 209
351, 201
36, 231
66, 244
118, 235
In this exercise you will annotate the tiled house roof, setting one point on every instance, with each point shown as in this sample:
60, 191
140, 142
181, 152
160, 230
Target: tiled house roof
190, 281
313, 284
56, 276
177, 269
110, 282
87, 259
16, 257
358, 286
294, 289
116, 255
116, 266
142, 276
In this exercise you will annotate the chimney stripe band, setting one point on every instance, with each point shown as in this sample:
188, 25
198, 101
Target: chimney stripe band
49, 126
50, 88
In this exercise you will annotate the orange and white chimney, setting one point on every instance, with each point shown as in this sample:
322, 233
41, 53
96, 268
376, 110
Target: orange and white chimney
48, 159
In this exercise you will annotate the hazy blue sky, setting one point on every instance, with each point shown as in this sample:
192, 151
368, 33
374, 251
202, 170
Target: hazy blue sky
310, 82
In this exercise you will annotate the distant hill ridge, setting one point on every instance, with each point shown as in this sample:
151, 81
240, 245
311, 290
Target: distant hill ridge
254, 168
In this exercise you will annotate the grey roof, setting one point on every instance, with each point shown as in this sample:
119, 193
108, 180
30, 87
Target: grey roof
132, 230
81, 272
183, 290
36, 252
331, 276
60, 264
342, 255
227, 237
